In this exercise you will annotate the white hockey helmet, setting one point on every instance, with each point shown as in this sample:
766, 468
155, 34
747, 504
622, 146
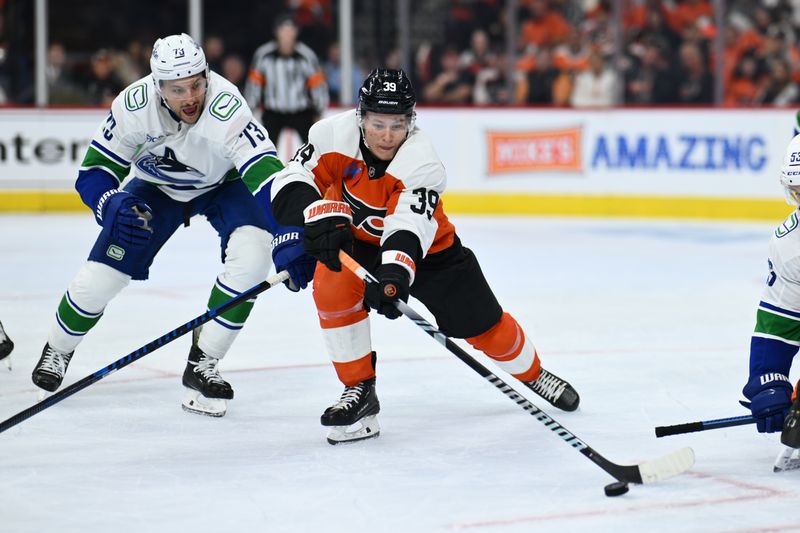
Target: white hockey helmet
177, 57
790, 172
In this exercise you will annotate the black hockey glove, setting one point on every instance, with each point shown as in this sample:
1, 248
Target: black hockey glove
126, 216
327, 230
392, 285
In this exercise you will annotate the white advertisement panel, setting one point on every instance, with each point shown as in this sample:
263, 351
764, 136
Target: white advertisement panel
675, 152
728, 153
43, 149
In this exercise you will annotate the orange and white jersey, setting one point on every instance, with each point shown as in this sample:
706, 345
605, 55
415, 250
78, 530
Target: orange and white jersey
406, 197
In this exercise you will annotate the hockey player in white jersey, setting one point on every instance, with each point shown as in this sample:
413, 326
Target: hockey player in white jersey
192, 147
776, 338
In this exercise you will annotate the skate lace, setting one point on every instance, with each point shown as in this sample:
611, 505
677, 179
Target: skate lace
350, 397
54, 362
207, 367
548, 385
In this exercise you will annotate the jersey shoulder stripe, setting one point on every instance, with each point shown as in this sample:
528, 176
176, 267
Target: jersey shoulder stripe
243, 169
108, 153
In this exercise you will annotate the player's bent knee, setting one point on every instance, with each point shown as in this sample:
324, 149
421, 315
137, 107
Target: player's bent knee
336, 292
247, 256
96, 284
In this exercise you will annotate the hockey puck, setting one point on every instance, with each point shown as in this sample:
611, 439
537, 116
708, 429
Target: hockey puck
616, 489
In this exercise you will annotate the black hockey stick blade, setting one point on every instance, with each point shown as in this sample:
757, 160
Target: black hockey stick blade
705, 425
144, 350
664, 467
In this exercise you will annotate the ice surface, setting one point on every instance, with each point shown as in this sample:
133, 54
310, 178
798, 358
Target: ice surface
650, 321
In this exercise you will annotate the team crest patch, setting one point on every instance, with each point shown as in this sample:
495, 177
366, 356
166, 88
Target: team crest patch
225, 105
115, 252
784, 229
136, 97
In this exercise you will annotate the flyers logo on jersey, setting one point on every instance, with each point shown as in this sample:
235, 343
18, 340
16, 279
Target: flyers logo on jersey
532, 151
365, 216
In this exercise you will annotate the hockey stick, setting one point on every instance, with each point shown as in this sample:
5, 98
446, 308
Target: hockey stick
664, 467
690, 427
144, 350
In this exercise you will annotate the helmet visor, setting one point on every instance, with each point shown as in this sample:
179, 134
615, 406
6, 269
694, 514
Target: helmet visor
792, 194
178, 90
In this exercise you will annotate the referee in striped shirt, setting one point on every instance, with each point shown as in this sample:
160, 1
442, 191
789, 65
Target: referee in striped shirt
286, 81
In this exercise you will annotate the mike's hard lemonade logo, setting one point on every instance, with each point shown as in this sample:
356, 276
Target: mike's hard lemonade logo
533, 151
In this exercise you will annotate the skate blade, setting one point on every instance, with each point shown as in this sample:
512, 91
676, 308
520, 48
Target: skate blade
7, 361
194, 402
788, 459
366, 428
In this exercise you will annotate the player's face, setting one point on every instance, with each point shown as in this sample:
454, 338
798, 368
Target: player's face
384, 134
186, 97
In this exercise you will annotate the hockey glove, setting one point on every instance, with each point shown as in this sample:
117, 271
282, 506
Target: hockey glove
770, 398
126, 216
327, 230
288, 254
392, 285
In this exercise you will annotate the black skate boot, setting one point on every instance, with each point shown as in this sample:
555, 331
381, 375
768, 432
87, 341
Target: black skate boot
555, 390
790, 436
50, 369
206, 391
789, 457
6, 346
357, 405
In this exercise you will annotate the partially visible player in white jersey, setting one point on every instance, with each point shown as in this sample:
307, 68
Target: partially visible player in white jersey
192, 147
369, 181
776, 338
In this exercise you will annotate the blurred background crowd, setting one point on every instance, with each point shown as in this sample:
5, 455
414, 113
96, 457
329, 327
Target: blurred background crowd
462, 52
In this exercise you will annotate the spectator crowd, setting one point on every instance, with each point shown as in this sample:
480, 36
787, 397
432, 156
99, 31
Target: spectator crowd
567, 53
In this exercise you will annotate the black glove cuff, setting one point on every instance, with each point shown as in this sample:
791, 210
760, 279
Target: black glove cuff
393, 273
404, 241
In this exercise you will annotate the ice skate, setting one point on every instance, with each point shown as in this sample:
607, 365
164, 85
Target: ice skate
206, 392
354, 416
789, 457
6, 346
555, 390
50, 370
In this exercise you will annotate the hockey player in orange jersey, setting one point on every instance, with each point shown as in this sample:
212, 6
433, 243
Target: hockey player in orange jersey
369, 182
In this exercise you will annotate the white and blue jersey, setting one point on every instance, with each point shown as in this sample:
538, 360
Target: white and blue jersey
142, 137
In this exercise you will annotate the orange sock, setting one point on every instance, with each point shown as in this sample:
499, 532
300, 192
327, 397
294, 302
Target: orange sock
506, 343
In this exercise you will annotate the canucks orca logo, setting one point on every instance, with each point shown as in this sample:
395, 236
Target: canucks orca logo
364, 215
167, 168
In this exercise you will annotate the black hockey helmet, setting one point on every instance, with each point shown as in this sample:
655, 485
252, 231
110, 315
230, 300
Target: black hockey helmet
387, 91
